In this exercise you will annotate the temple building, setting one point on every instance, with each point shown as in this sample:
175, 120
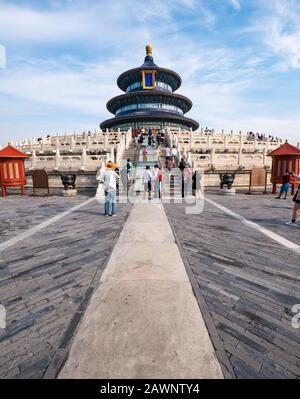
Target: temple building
149, 100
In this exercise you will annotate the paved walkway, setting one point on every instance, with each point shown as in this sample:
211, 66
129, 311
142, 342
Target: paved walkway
143, 321
247, 282
46, 279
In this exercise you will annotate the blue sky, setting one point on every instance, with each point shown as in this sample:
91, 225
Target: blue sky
239, 61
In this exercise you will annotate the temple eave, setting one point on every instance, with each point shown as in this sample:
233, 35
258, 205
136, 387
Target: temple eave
153, 117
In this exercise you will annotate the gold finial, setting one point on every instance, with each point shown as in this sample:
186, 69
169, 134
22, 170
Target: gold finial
286, 141
149, 49
9, 143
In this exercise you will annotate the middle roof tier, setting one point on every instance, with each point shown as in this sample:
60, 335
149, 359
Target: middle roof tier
149, 97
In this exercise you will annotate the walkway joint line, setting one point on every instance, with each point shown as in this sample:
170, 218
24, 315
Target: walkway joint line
41, 226
276, 237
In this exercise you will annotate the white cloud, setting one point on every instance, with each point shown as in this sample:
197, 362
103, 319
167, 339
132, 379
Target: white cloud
278, 25
235, 4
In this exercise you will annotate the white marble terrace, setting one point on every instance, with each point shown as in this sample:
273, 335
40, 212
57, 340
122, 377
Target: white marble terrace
209, 150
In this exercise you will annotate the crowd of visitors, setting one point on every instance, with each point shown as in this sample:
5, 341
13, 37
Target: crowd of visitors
155, 136
261, 137
152, 180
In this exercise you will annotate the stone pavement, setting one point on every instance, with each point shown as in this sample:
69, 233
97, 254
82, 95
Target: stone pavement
18, 214
46, 281
143, 321
264, 210
245, 283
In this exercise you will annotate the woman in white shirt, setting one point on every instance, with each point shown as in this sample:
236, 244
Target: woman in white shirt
174, 154
147, 180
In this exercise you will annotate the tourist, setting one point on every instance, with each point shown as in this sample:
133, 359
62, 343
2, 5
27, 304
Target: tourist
162, 133
286, 177
169, 165
167, 152
129, 168
153, 143
145, 153
160, 179
187, 180
296, 200
174, 154
124, 178
117, 170
196, 184
182, 165
156, 173
156, 154
158, 139
109, 178
147, 180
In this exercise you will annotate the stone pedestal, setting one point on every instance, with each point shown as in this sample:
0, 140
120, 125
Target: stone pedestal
69, 193
226, 191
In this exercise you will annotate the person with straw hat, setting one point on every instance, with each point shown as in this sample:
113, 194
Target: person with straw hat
109, 178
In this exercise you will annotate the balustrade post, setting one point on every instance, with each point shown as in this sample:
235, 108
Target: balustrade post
73, 143
212, 156
241, 142
57, 143
83, 159
225, 140
240, 156
88, 142
33, 159
57, 160
209, 141
112, 154
264, 156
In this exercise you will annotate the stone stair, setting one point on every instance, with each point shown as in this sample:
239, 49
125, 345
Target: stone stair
131, 153
172, 186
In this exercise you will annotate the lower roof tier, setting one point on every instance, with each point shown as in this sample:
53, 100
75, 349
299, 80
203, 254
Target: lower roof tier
149, 116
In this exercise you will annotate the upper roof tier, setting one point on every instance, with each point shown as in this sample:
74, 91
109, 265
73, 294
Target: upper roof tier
164, 75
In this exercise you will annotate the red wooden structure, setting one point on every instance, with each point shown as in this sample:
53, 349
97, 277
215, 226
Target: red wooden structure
12, 170
286, 157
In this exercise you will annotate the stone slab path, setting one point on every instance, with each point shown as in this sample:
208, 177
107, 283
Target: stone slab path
143, 321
